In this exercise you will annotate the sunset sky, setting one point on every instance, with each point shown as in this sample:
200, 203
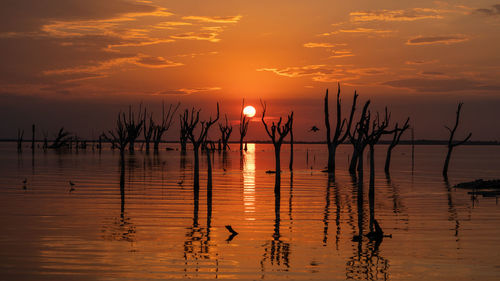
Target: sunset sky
77, 63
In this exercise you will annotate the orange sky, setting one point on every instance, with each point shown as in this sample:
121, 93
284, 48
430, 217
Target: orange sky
101, 55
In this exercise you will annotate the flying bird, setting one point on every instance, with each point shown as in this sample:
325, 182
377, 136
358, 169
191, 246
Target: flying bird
228, 227
314, 129
71, 184
233, 233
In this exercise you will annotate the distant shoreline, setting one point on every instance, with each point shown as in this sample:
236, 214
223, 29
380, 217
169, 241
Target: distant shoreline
402, 142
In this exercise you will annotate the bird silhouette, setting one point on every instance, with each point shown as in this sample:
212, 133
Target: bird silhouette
228, 227
180, 182
314, 129
71, 184
233, 233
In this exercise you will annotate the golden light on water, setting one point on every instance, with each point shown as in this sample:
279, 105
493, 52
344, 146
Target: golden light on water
249, 111
249, 181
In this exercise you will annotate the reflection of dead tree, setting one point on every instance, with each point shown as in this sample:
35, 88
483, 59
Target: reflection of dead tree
276, 250
62, 139
451, 144
366, 263
190, 121
133, 126
20, 134
397, 133
359, 139
277, 133
326, 212
225, 131
119, 136
243, 125
164, 125
197, 243
341, 133
121, 229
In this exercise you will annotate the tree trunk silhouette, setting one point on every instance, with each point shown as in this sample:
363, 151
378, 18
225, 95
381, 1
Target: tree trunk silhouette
225, 130
359, 139
244, 122
190, 121
133, 126
397, 133
291, 144
277, 133
452, 144
340, 133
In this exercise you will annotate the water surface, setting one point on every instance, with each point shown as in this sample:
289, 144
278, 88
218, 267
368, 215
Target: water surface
143, 220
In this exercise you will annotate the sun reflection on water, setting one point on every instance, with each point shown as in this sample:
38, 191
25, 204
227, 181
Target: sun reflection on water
249, 182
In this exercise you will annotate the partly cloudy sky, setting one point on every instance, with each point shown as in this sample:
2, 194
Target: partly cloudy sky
64, 61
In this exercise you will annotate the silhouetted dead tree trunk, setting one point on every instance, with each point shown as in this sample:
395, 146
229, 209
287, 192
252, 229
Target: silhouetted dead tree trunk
61, 140
133, 126
33, 137
20, 134
149, 127
119, 136
452, 144
243, 125
396, 136
164, 125
377, 130
341, 133
183, 134
291, 143
45, 140
225, 131
359, 138
190, 121
277, 133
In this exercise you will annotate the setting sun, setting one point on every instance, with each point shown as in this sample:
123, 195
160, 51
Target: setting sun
249, 111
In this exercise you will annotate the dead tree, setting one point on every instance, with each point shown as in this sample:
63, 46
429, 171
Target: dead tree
164, 125
190, 120
277, 132
45, 140
62, 139
452, 144
378, 128
183, 135
119, 136
244, 122
341, 130
20, 134
359, 139
225, 130
290, 166
149, 127
396, 136
133, 126
33, 137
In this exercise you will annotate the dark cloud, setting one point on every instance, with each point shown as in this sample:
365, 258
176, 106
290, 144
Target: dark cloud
493, 11
432, 73
446, 39
442, 85
30, 15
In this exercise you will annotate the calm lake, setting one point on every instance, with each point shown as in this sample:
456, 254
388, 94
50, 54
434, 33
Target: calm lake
144, 221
